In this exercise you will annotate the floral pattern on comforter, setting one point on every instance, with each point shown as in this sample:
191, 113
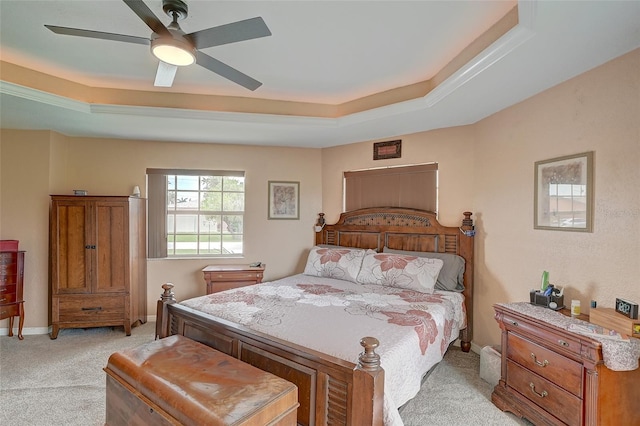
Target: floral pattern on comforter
414, 329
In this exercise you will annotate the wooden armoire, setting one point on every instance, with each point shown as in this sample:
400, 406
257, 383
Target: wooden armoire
98, 262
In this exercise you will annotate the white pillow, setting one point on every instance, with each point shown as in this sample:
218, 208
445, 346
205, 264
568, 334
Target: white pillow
401, 271
335, 262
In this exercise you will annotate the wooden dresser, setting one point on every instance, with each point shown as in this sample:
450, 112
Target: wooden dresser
225, 277
554, 377
11, 288
98, 262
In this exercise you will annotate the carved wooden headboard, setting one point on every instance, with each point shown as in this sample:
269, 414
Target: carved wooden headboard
405, 229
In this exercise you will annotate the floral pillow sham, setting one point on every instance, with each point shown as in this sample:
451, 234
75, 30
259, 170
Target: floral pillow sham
451, 276
335, 262
400, 271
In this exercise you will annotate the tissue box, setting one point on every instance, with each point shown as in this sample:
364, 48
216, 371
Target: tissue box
538, 298
490, 360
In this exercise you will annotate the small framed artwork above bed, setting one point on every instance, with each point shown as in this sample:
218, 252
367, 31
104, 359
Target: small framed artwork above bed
383, 294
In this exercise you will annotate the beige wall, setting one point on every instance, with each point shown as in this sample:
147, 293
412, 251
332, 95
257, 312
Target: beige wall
486, 168
37, 164
597, 111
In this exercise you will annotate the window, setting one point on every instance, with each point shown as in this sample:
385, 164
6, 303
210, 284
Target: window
405, 186
195, 213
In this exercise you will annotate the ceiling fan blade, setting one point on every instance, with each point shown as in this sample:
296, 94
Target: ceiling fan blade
226, 71
144, 13
165, 75
230, 33
98, 34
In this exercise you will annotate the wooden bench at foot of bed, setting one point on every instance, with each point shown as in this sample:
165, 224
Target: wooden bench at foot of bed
176, 381
330, 390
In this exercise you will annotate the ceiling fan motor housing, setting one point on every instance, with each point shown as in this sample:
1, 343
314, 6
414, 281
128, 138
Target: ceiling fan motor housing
177, 7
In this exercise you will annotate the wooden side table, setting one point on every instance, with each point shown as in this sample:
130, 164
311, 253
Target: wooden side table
225, 277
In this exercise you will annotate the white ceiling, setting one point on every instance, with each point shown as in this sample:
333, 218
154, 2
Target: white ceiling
320, 51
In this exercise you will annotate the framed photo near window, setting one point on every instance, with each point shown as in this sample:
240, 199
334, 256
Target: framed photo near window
284, 200
563, 196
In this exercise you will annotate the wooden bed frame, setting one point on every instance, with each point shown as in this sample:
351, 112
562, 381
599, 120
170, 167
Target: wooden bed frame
330, 390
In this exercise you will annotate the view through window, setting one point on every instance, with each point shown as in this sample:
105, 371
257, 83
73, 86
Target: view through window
204, 215
195, 213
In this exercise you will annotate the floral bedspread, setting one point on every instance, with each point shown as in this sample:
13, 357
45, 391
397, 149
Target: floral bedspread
414, 329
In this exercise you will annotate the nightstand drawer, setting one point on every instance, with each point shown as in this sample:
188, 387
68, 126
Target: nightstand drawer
234, 276
90, 309
548, 364
226, 277
553, 399
565, 343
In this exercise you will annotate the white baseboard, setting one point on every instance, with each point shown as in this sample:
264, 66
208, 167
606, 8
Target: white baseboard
26, 331
30, 331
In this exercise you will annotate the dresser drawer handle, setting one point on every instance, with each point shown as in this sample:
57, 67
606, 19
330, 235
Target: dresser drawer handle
97, 308
3, 299
533, 389
541, 364
514, 323
563, 343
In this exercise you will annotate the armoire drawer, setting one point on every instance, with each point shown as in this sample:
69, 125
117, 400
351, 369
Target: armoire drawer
548, 396
552, 366
91, 308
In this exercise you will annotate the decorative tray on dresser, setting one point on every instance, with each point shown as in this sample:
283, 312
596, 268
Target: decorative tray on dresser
553, 376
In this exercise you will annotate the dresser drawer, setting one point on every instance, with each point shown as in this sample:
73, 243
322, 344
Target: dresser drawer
91, 309
9, 269
9, 296
553, 399
8, 257
564, 343
552, 366
8, 279
8, 289
7, 311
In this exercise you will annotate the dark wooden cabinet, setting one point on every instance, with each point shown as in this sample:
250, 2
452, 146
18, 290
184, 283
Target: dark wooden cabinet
11, 288
554, 377
98, 262
225, 277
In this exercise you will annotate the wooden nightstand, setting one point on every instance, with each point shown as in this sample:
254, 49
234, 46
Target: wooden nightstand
555, 377
225, 277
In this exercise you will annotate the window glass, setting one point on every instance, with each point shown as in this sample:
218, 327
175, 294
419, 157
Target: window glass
204, 213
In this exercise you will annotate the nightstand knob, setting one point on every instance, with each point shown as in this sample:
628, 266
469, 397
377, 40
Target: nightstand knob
563, 343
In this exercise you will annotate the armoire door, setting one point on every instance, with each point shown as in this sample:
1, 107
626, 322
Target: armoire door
71, 250
111, 270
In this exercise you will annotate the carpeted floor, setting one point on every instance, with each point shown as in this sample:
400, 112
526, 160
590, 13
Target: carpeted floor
61, 382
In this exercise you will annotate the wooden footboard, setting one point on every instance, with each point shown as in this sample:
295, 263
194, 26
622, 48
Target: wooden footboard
330, 390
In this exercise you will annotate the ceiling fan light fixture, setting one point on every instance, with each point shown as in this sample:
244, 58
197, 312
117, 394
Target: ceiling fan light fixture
172, 51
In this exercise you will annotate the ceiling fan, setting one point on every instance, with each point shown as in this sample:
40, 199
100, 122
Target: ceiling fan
174, 48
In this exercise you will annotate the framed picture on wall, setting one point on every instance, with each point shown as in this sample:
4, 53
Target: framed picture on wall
563, 196
284, 200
